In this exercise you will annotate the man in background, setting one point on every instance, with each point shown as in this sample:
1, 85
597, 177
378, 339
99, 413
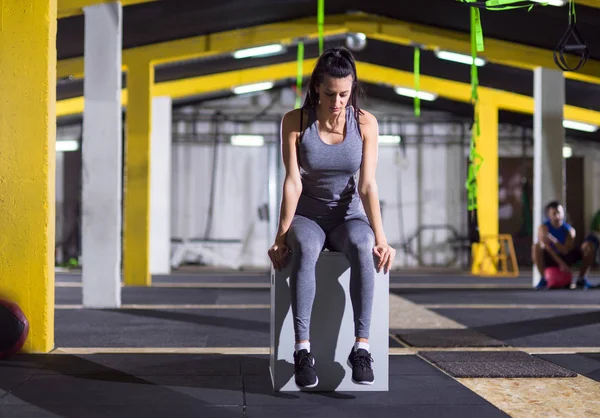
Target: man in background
556, 247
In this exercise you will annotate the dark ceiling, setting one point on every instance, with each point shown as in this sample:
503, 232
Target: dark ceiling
165, 20
173, 19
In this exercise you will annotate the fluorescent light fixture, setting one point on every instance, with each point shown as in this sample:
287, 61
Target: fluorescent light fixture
567, 151
258, 51
579, 126
557, 3
423, 95
460, 58
389, 139
251, 88
70, 145
247, 140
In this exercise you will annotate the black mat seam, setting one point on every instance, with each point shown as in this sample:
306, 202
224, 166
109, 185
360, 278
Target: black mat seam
244, 405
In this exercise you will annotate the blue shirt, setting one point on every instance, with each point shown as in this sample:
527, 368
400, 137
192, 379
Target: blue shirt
561, 233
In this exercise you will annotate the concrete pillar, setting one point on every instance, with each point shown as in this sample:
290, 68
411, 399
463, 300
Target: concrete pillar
549, 137
102, 157
160, 187
27, 163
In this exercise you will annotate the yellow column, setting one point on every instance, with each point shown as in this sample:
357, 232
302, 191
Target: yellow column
27, 163
136, 233
487, 188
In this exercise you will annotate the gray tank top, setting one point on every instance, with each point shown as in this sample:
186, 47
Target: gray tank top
330, 172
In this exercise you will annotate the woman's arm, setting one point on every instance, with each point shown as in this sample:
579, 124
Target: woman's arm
367, 188
292, 187
292, 184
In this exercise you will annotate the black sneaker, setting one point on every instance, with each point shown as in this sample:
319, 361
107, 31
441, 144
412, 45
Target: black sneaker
360, 362
304, 371
584, 283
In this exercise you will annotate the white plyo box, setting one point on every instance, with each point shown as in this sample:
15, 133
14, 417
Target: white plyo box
331, 330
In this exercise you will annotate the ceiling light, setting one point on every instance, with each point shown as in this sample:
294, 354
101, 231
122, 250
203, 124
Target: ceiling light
251, 88
567, 151
70, 145
557, 3
423, 95
356, 41
579, 126
460, 58
389, 139
259, 51
247, 140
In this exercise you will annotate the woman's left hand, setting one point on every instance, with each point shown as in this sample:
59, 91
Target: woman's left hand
386, 256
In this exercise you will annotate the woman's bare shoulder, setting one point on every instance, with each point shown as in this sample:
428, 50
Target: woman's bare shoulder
291, 120
367, 118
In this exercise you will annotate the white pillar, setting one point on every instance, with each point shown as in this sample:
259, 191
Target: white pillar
591, 186
102, 157
549, 137
160, 187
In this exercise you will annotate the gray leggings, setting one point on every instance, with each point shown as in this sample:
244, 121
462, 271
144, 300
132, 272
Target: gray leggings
306, 239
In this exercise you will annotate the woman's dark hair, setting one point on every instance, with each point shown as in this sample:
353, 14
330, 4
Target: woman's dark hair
339, 63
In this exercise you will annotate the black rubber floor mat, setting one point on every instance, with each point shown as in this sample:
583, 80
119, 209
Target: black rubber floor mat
447, 338
494, 364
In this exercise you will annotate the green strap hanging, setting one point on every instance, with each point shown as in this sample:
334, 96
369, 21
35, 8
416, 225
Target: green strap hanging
475, 160
299, 74
320, 22
417, 71
495, 5
476, 29
572, 14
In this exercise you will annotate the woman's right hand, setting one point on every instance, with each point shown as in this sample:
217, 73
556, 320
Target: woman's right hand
278, 253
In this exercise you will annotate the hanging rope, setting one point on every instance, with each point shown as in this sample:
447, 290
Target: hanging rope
475, 159
299, 75
578, 48
320, 22
417, 71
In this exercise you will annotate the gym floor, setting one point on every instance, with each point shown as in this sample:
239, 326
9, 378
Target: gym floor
197, 344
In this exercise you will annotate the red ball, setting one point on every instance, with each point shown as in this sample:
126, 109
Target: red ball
556, 278
14, 328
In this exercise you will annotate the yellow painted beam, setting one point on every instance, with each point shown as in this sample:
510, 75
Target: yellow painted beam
68, 8
449, 89
487, 186
496, 51
226, 81
27, 163
136, 221
375, 27
589, 3
212, 44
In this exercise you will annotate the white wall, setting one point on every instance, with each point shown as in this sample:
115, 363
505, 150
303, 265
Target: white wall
242, 185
